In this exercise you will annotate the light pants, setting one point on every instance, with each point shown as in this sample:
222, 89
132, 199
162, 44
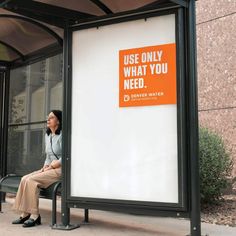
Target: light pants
27, 197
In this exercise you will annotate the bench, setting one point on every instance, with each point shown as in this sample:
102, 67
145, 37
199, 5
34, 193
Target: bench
10, 184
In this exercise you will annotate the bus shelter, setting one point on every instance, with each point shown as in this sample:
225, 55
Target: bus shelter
130, 124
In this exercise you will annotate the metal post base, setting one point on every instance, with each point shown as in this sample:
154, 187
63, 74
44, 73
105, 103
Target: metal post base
65, 227
85, 223
201, 235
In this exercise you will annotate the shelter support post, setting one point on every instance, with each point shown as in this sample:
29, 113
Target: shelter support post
193, 125
86, 216
65, 209
4, 104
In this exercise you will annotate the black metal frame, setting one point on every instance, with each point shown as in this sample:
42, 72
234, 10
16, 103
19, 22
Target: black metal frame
102, 6
187, 121
2, 75
193, 122
4, 106
150, 207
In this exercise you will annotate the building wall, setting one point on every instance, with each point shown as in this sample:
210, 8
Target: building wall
216, 42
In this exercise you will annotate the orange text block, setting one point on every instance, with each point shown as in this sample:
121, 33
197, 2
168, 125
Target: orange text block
147, 76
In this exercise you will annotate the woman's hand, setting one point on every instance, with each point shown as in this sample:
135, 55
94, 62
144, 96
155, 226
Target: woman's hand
44, 167
48, 168
55, 164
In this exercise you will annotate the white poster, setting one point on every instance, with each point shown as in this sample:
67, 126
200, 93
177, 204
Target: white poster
125, 152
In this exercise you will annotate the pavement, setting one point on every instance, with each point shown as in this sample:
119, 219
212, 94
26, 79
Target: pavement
104, 223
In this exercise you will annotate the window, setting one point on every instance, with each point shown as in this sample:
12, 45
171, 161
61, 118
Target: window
34, 91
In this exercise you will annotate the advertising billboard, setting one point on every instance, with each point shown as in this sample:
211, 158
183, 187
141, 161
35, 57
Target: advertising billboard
124, 129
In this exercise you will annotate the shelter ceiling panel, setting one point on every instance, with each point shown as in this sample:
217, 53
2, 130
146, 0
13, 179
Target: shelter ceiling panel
85, 6
57, 30
124, 5
24, 36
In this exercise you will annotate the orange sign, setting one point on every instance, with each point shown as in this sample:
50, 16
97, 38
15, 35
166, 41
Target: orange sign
147, 76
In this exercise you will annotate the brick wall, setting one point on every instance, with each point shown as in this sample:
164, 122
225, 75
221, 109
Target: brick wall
216, 43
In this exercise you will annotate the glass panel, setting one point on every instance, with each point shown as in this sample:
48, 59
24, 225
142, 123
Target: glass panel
15, 150
34, 90
17, 102
38, 104
36, 87
25, 149
56, 97
55, 65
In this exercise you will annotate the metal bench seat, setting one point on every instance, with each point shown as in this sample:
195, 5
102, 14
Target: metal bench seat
11, 182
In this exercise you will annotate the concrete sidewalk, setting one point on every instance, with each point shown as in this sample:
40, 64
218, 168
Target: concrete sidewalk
106, 224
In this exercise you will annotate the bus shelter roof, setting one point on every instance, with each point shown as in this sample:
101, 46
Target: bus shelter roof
30, 27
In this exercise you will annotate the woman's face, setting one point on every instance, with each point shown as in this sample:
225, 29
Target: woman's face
52, 121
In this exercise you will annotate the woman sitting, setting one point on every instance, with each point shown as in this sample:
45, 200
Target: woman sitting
27, 198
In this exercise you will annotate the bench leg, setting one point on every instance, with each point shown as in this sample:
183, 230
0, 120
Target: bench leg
54, 210
86, 216
0, 202
54, 204
2, 199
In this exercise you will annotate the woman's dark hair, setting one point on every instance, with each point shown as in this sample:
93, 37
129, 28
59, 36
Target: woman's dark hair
58, 114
